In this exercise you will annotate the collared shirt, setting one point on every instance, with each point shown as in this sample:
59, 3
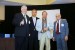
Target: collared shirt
34, 20
24, 15
59, 24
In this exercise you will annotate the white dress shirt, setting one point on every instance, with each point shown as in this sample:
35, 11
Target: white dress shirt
34, 20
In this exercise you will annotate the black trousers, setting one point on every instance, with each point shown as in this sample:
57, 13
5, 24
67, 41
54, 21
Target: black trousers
33, 42
21, 43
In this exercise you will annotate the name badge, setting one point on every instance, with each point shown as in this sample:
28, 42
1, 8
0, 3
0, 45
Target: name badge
62, 25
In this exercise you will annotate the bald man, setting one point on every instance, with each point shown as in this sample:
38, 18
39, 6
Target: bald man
21, 23
61, 32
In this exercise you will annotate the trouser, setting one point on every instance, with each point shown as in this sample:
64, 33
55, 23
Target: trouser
44, 41
61, 43
33, 42
21, 43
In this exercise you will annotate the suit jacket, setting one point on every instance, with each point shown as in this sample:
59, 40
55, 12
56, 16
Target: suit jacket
32, 26
22, 30
64, 30
39, 29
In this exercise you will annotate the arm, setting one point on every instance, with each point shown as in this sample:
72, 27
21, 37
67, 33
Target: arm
51, 27
38, 26
66, 28
54, 31
17, 20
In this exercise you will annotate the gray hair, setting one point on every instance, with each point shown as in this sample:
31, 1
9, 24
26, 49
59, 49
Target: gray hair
23, 6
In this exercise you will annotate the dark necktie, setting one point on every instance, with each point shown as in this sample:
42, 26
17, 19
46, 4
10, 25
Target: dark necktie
57, 28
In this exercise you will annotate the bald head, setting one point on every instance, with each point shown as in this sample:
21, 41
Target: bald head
24, 9
58, 16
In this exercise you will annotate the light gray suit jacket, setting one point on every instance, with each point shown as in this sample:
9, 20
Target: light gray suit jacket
39, 29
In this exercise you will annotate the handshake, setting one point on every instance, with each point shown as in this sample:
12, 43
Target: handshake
22, 22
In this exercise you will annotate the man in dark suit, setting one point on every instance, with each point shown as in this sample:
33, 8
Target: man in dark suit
21, 22
33, 39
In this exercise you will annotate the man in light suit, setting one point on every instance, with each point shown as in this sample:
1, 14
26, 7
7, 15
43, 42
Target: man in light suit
43, 28
60, 34
33, 38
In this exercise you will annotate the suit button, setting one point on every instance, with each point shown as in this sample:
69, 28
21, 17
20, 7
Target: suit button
34, 29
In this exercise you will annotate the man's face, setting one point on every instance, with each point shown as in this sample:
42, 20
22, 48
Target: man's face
44, 14
24, 9
34, 13
58, 16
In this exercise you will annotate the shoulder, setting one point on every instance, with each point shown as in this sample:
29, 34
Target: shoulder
27, 15
39, 20
17, 15
37, 17
63, 19
30, 17
54, 22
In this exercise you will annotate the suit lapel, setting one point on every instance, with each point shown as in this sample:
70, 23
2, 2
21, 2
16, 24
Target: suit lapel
23, 18
22, 15
60, 23
27, 19
36, 21
55, 25
32, 21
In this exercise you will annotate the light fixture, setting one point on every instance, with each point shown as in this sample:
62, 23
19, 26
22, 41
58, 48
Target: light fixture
33, 2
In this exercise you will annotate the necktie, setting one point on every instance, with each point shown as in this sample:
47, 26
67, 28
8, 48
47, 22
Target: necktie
25, 18
57, 28
44, 24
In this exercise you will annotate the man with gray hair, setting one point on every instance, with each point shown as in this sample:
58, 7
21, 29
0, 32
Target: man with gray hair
21, 23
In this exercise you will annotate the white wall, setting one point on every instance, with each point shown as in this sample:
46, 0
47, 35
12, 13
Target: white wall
51, 14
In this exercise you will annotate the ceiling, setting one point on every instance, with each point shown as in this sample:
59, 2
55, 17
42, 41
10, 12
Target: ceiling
4, 2
63, 1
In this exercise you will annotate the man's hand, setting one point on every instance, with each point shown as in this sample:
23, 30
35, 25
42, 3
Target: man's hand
66, 38
51, 31
45, 29
22, 22
53, 38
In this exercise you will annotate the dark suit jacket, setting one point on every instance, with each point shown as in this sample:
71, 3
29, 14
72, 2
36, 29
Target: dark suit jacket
32, 27
22, 30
